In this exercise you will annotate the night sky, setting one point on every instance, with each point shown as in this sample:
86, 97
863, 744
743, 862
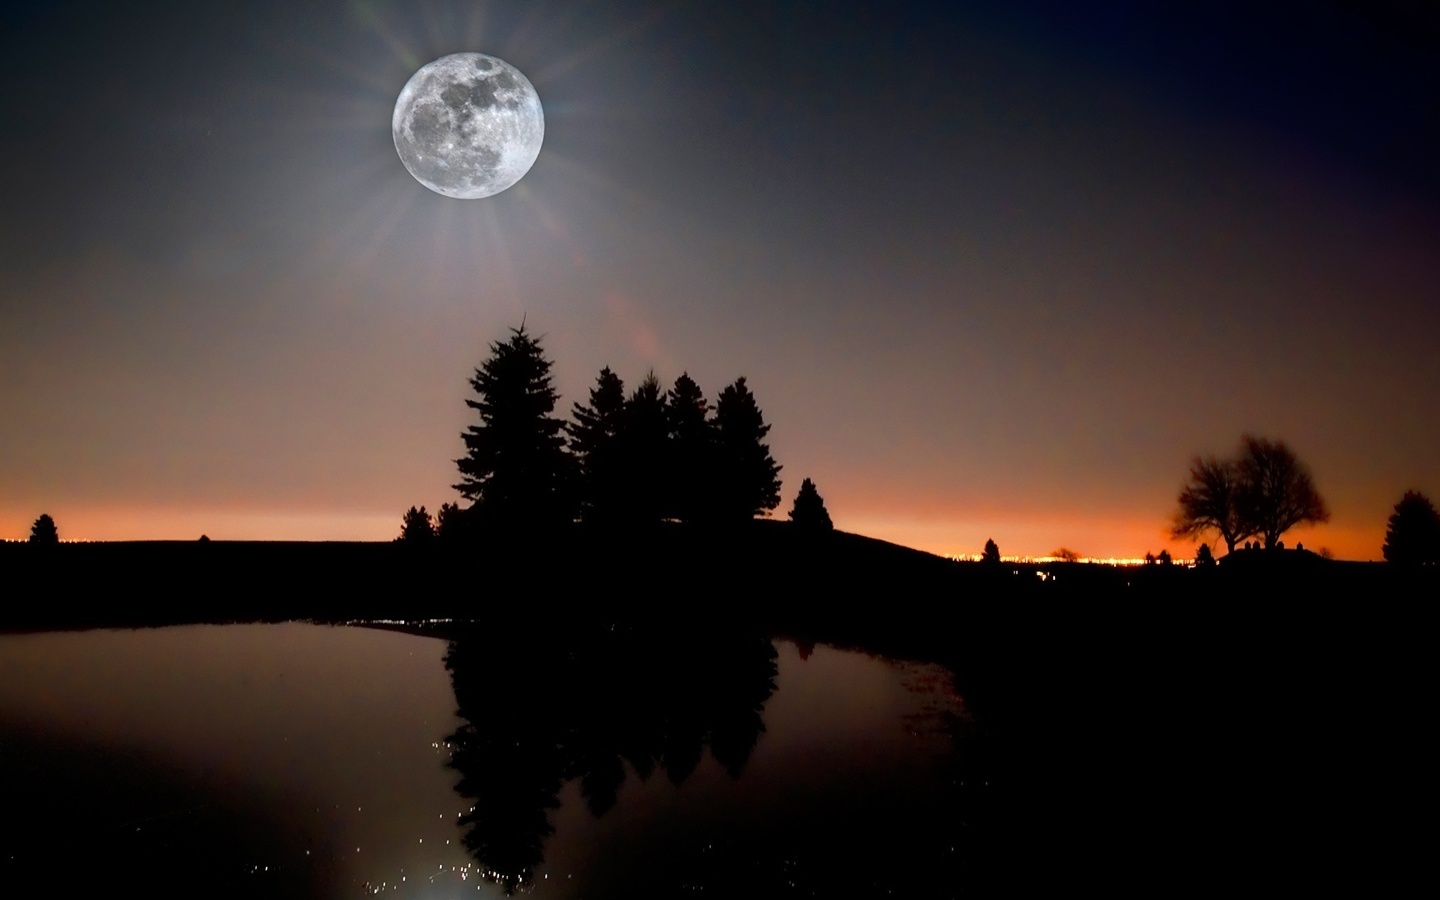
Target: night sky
999, 271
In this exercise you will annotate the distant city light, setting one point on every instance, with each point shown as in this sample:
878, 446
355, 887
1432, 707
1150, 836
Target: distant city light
1117, 561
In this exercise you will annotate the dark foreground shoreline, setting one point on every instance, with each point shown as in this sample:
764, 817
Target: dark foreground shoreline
1262, 723
840, 587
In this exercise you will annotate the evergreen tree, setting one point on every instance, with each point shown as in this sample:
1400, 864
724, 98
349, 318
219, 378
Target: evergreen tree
991, 553
416, 527
689, 490
643, 452
1204, 558
1412, 536
746, 476
44, 532
449, 521
809, 511
594, 433
516, 469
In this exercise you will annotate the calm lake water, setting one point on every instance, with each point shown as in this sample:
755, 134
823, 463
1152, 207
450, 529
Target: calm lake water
313, 761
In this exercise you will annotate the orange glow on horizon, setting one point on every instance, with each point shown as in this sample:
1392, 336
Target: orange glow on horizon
1093, 538
1034, 536
140, 524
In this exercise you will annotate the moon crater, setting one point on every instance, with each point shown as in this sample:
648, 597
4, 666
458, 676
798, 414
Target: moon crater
468, 125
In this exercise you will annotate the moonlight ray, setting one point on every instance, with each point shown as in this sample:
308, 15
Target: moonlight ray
452, 243
604, 44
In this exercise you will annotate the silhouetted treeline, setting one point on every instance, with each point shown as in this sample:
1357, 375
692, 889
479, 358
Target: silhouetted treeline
624, 459
659, 455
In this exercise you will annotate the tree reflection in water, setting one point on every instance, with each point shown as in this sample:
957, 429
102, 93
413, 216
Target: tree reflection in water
547, 706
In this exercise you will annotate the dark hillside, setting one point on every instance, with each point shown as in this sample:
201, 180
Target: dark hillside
835, 585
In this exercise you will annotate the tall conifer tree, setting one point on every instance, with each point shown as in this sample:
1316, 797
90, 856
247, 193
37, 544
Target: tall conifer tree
1412, 536
691, 451
643, 450
516, 469
745, 473
593, 441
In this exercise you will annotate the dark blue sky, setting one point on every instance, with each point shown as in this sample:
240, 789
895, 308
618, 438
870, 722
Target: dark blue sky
992, 271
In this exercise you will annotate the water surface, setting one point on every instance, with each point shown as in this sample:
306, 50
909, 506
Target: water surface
305, 760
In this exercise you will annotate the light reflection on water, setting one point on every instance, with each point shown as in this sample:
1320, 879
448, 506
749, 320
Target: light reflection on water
304, 760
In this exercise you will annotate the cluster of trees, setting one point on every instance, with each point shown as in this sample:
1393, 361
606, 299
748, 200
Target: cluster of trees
1264, 490
1261, 492
623, 459
667, 455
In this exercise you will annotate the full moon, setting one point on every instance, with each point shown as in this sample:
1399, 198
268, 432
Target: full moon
468, 125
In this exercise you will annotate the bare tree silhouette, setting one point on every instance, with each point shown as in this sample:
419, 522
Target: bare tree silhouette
1263, 491
1210, 501
1277, 491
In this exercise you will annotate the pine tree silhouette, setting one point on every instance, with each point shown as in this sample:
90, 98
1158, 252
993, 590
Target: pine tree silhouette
1412, 536
746, 476
416, 527
991, 553
691, 456
516, 469
449, 521
594, 437
809, 511
44, 532
643, 450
